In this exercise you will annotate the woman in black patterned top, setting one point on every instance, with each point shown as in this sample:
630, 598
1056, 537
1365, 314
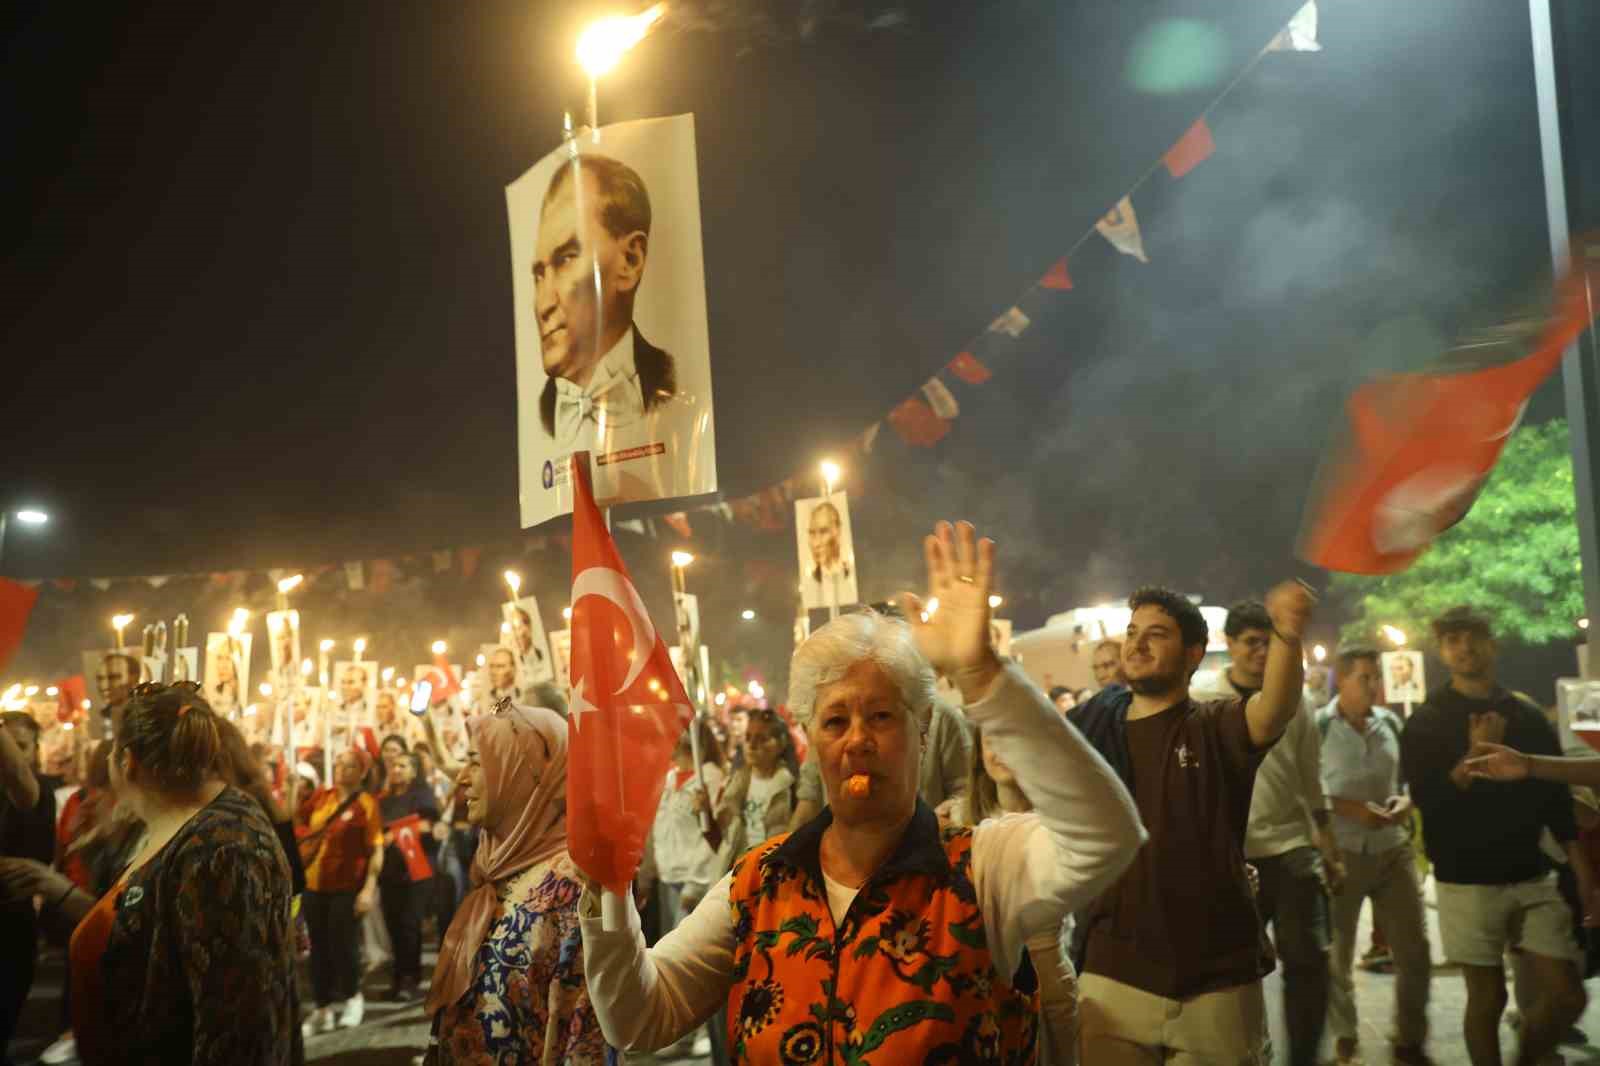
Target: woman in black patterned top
189, 958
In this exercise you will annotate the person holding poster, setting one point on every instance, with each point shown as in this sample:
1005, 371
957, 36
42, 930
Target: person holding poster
606, 362
827, 552
528, 643
922, 906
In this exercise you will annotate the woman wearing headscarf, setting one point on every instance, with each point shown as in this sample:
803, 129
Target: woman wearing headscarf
509, 985
868, 934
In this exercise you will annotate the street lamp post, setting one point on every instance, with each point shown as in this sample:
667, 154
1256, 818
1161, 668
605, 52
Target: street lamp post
27, 517
1553, 58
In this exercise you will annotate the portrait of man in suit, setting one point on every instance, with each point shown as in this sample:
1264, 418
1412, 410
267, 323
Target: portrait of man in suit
603, 373
827, 557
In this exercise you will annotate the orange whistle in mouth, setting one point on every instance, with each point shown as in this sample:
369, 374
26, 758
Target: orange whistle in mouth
858, 786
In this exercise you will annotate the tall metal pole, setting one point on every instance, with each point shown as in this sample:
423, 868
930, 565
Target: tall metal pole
1580, 368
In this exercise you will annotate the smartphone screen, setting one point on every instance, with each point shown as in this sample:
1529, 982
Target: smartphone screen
421, 694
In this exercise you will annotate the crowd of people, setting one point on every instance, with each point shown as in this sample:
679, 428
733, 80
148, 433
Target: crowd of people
921, 857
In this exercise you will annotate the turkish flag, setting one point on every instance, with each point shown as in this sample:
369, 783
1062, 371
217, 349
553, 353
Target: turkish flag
626, 705
1192, 149
16, 604
407, 834
445, 682
1420, 446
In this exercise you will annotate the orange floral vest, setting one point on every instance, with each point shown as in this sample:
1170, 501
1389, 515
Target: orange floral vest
907, 977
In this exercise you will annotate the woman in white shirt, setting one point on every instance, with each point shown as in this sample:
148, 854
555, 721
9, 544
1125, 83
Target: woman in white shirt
868, 930
993, 792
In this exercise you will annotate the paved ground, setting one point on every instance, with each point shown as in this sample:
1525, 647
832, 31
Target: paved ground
393, 1034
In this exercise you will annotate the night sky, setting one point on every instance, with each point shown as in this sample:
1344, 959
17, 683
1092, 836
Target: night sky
258, 306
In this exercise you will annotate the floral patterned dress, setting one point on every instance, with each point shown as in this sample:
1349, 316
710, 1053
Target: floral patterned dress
528, 1003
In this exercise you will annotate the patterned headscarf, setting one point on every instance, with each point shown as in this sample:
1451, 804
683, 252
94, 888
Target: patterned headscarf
523, 752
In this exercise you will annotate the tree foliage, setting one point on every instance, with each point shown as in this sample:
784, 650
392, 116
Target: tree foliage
1515, 556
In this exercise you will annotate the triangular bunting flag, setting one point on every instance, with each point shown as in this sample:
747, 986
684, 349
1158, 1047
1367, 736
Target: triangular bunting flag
631, 525
353, 576
1192, 149
679, 523
1301, 33
870, 437
1121, 228
101, 583
939, 398
1055, 278
970, 369
1013, 323
65, 584
157, 580
382, 576
917, 424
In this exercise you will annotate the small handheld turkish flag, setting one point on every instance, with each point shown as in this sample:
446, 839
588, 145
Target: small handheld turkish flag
1420, 446
626, 704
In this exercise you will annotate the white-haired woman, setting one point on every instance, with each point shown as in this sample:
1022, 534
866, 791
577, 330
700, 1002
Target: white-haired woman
868, 931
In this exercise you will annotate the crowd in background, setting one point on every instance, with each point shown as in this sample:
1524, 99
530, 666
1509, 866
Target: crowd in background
920, 855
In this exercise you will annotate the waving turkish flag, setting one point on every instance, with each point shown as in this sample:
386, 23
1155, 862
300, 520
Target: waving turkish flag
626, 705
1420, 446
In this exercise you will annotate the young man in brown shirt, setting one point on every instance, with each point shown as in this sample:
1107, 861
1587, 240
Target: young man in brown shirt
1175, 950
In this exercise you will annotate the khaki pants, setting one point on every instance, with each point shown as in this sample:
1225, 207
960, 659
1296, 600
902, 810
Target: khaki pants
1119, 1025
1389, 879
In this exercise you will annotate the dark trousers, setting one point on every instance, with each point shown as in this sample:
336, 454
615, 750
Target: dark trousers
402, 913
19, 935
1294, 902
334, 930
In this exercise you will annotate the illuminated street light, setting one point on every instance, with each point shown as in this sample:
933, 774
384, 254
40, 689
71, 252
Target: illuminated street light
1397, 637
514, 579
995, 601
289, 584
681, 559
1319, 653
360, 647
439, 647
326, 645
603, 44
387, 674
52, 691
747, 614
119, 622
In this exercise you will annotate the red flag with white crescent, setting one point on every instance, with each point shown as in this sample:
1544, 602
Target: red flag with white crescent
626, 706
1420, 446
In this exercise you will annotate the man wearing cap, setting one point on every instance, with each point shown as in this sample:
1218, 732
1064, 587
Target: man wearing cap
1495, 887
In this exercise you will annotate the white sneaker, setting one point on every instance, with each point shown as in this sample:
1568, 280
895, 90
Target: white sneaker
354, 1009
65, 1049
319, 1020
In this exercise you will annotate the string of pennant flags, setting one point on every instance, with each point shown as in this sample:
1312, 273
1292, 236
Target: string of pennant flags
921, 420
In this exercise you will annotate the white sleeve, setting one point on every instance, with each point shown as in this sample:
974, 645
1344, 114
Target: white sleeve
1031, 870
1058, 999
646, 998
